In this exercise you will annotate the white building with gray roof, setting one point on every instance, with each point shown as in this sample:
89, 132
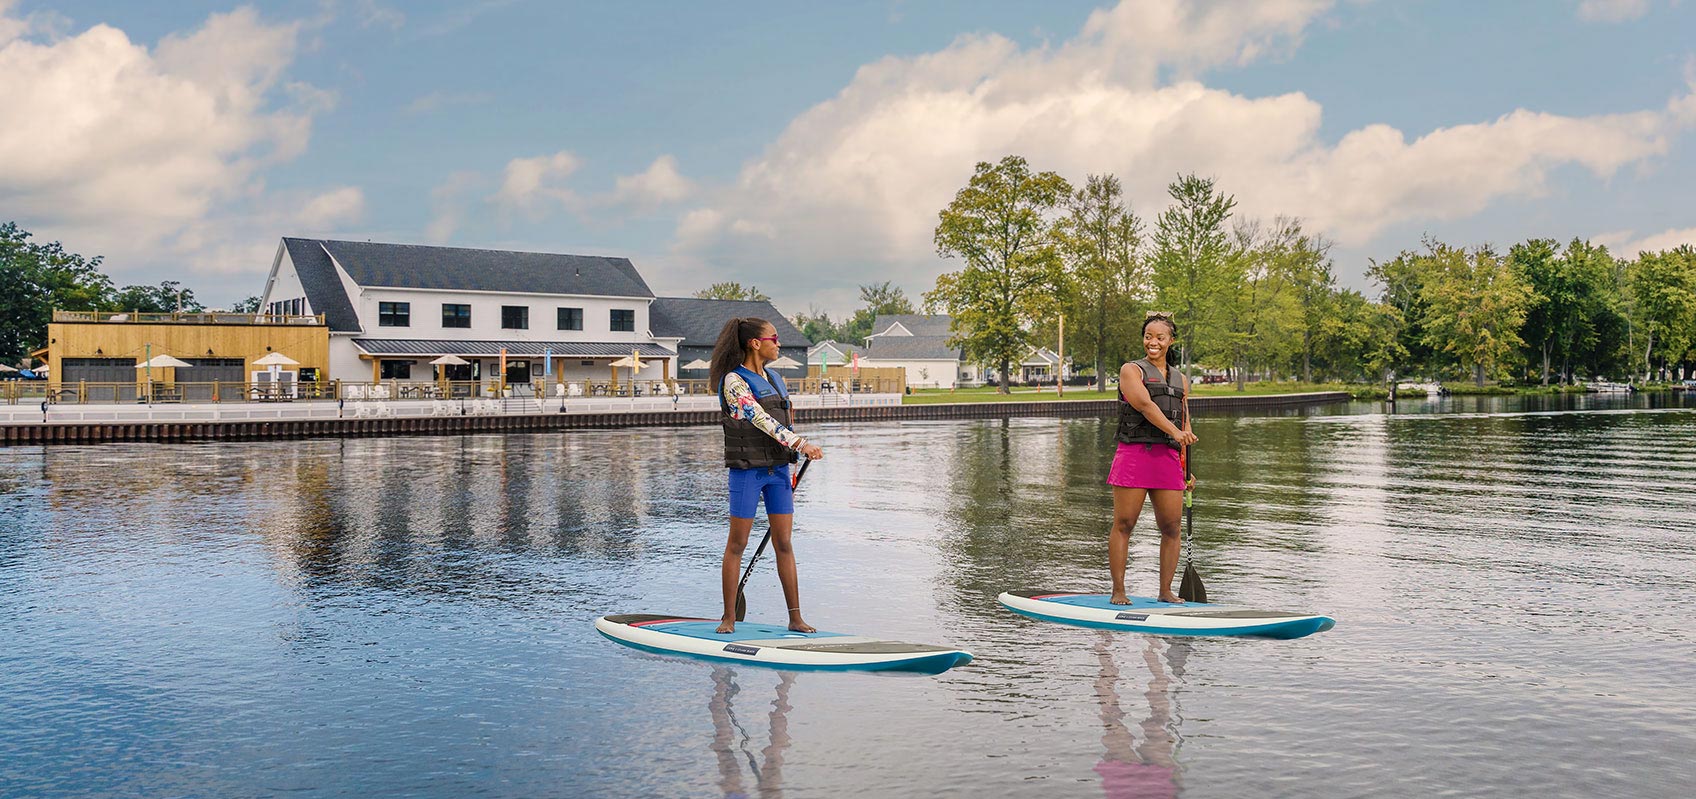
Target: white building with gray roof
918, 344
392, 308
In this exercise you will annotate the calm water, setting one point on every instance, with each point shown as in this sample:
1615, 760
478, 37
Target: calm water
1513, 585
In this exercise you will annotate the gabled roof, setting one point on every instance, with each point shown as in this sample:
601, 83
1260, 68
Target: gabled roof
911, 348
915, 324
415, 266
839, 347
324, 292
698, 321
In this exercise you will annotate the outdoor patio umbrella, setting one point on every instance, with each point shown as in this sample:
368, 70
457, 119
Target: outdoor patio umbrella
634, 362
274, 363
41, 371
696, 364
785, 362
450, 360
156, 362
5, 368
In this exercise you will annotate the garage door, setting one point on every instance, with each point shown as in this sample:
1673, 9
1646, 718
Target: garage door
197, 380
100, 379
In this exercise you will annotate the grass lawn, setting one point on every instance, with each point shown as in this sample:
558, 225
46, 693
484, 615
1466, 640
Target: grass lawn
922, 396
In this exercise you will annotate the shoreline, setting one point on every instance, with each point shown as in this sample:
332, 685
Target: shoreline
93, 432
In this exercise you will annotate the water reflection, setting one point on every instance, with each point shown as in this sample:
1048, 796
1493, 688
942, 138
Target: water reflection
731, 742
1131, 768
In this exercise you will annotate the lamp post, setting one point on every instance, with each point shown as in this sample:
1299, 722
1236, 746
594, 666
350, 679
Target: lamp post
1060, 362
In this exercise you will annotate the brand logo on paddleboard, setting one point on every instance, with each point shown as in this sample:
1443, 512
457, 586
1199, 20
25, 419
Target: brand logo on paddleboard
742, 650
1132, 617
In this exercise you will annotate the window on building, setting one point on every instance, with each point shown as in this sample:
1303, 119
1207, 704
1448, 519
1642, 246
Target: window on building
623, 320
515, 317
394, 314
395, 370
571, 318
456, 315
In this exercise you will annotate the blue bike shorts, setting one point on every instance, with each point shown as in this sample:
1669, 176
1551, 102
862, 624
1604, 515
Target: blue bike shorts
747, 486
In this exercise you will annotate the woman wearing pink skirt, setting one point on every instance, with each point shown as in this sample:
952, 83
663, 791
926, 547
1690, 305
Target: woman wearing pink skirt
1154, 427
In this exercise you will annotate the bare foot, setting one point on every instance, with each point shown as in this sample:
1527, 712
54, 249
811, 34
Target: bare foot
1171, 600
797, 625
1119, 598
726, 626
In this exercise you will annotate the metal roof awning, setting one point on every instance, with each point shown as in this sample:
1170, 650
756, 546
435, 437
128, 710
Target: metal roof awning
492, 349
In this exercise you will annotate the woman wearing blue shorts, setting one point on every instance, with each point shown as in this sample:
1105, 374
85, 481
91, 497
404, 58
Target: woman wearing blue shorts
759, 445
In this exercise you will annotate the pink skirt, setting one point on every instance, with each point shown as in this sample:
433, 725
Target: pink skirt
1146, 466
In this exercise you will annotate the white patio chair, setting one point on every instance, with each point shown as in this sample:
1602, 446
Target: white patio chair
574, 390
559, 389
353, 391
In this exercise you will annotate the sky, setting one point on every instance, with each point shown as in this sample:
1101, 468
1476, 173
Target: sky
806, 148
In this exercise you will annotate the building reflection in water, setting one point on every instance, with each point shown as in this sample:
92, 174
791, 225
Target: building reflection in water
737, 764
1143, 762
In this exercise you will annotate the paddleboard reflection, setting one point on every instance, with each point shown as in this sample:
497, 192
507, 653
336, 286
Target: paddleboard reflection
1141, 763
732, 745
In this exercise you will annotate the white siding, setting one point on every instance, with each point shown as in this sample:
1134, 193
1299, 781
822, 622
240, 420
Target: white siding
943, 373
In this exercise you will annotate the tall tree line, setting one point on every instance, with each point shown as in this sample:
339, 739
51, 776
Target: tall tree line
1260, 300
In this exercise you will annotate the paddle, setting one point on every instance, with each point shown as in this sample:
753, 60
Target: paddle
742, 599
1190, 589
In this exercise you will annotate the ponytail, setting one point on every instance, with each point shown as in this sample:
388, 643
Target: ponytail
731, 349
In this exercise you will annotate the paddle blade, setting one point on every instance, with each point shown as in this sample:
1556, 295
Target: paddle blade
741, 606
1191, 589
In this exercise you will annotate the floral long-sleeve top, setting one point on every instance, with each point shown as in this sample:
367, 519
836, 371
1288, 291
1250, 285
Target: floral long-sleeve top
745, 406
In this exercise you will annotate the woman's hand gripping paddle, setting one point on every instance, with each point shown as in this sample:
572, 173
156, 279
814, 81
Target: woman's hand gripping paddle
1190, 589
742, 599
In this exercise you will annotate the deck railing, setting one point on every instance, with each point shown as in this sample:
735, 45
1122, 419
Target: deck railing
14, 392
189, 318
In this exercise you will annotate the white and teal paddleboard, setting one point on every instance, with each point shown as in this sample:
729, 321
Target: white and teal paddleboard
775, 645
1146, 615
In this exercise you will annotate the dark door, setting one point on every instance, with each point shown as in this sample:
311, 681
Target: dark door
196, 381
98, 379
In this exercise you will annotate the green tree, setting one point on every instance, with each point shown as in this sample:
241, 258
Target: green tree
1475, 305
1552, 297
248, 305
167, 297
1402, 287
877, 299
1664, 289
1107, 284
1192, 264
816, 325
999, 226
1356, 338
34, 280
732, 291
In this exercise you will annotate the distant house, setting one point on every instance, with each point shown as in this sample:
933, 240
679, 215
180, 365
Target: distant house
918, 344
833, 352
694, 324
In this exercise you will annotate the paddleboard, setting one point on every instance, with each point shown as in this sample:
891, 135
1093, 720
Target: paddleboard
1146, 615
775, 645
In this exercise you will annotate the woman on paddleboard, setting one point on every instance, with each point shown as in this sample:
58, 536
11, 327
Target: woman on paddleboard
759, 445
1154, 427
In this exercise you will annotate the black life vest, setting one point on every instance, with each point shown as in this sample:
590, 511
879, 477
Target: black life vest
1134, 428
747, 446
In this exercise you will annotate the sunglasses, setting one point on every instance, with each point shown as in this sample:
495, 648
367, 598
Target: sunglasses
772, 339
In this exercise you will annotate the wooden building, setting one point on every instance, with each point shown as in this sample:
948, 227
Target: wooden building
93, 355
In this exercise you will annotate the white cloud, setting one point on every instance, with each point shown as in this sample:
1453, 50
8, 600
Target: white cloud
535, 185
372, 14
1626, 244
128, 151
1612, 10
447, 205
659, 184
854, 183
338, 208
